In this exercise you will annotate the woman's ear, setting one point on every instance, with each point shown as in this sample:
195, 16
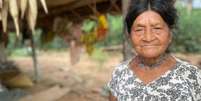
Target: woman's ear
170, 41
171, 36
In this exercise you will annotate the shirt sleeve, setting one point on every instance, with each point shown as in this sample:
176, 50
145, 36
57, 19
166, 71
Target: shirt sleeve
113, 83
195, 83
197, 86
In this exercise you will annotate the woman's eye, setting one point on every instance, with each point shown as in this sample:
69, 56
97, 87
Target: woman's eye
157, 28
138, 30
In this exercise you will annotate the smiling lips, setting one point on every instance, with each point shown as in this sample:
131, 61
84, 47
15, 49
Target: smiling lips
149, 46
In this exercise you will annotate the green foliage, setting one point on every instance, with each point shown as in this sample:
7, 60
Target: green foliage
21, 52
188, 35
88, 25
99, 56
114, 36
56, 44
13, 47
18, 48
12, 41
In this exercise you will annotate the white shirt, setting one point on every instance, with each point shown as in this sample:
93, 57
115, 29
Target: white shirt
182, 83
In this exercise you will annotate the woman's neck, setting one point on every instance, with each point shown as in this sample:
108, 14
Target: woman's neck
152, 62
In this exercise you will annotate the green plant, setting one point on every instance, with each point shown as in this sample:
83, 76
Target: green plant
188, 34
99, 56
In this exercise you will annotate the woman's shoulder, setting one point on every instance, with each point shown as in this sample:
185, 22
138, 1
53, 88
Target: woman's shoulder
123, 65
187, 65
121, 68
189, 70
119, 74
192, 76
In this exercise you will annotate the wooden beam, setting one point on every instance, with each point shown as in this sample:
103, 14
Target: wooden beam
78, 16
84, 3
70, 6
114, 5
82, 11
55, 3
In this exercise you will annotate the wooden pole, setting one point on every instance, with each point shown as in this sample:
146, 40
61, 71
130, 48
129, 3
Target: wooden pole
189, 6
127, 49
34, 57
3, 43
2, 52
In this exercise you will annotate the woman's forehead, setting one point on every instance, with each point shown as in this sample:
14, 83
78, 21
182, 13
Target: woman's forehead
149, 17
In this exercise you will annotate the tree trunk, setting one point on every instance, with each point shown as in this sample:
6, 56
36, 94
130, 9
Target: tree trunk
189, 6
127, 49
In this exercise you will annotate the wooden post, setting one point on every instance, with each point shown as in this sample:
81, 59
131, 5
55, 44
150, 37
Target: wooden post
2, 52
189, 6
3, 43
35, 62
127, 49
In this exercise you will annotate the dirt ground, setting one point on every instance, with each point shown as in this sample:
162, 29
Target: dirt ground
86, 80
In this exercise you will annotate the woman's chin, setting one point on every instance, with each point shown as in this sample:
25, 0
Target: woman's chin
150, 54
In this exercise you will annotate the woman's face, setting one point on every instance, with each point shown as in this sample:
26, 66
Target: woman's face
150, 35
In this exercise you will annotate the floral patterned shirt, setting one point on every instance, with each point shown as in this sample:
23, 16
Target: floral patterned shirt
182, 83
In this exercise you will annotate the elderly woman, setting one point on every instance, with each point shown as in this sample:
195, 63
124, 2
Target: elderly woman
154, 74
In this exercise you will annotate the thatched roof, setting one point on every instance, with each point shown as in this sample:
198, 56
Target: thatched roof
80, 8
74, 10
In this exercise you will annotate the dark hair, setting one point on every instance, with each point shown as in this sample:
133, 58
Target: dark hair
165, 8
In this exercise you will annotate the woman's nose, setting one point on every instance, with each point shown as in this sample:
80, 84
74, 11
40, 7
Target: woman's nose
148, 36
